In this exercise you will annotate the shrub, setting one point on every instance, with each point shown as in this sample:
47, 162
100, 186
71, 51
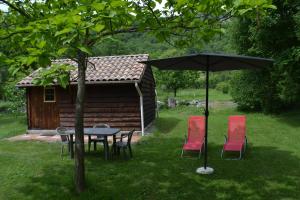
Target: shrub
255, 90
4, 106
15, 97
223, 87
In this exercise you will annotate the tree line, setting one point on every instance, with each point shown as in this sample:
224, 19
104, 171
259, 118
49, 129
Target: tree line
276, 36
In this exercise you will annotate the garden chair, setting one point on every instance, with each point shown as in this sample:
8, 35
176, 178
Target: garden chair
124, 145
237, 140
65, 139
99, 138
196, 133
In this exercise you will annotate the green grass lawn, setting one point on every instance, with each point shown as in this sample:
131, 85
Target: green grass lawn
12, 124
270, 170
190, 94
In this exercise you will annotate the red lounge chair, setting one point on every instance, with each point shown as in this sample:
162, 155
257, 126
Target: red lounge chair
237, 139
196, 132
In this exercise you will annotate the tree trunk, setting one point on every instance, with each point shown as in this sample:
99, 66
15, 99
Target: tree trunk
175, 92
79, 134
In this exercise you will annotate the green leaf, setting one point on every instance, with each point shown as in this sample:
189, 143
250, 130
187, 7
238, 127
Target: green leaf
98, 6
70, 39
243, 11
61, 51
41, 44
98, 28
64, 31
76, 18
270, 6
85, 49
115, 4
14, 71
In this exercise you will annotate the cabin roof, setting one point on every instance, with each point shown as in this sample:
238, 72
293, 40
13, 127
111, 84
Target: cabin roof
104, 69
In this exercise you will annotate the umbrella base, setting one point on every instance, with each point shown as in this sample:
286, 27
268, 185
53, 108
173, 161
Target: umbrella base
207, 170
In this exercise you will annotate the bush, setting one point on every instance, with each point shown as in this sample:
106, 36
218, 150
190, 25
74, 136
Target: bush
255, 90
223, 87
5, 106
244, 91
15, 97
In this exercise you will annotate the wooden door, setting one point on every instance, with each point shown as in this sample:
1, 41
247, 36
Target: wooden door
42, 115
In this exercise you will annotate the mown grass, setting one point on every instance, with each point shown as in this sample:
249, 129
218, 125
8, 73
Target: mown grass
270, 170
193, 94
12, 124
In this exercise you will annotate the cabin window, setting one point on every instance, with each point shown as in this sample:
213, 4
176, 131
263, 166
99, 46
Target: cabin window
49, 94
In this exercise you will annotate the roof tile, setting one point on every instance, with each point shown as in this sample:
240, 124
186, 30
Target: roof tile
103, 69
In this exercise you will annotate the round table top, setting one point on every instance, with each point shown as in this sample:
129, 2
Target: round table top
97, 131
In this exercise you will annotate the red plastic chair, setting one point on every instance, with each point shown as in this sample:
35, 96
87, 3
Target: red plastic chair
196, 132
237, 140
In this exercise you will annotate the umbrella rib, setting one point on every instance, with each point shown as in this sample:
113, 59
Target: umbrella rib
181, 61
237, 59
250, 64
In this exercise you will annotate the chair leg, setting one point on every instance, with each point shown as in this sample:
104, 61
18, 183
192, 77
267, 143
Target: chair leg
239, 158
118, 151
95, 146
89, 146
182, 153
222, 153
62, 151
130, 151
112, 153
200, 152
69, 147
124, 153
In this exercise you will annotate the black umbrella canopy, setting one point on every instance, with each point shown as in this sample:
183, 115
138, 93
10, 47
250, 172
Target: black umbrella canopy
214, 62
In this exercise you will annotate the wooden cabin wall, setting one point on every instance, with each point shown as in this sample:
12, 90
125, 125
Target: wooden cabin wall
41, 115
114, 104
148, 90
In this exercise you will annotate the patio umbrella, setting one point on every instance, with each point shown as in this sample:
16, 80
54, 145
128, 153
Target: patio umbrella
209, 62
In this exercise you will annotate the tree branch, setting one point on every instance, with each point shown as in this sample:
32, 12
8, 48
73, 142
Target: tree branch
154, 15
14, 7
11, 34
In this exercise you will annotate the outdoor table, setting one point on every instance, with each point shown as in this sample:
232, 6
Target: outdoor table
96, 132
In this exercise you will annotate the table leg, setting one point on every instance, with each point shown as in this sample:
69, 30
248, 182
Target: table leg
106, 148
89, 143
71, 146
114, 145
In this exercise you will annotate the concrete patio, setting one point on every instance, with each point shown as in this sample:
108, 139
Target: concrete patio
56, 138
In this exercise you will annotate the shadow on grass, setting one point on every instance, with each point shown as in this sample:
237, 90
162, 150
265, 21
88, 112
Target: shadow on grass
292, 118
158, 172
166, 124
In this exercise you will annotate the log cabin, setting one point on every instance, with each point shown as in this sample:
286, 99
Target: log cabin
120, 92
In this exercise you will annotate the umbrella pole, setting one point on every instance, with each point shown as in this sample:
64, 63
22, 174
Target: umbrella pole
205, 169
206, 112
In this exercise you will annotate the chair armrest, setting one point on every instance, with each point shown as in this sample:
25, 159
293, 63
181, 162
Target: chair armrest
118, 137
123, 135
225, 138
